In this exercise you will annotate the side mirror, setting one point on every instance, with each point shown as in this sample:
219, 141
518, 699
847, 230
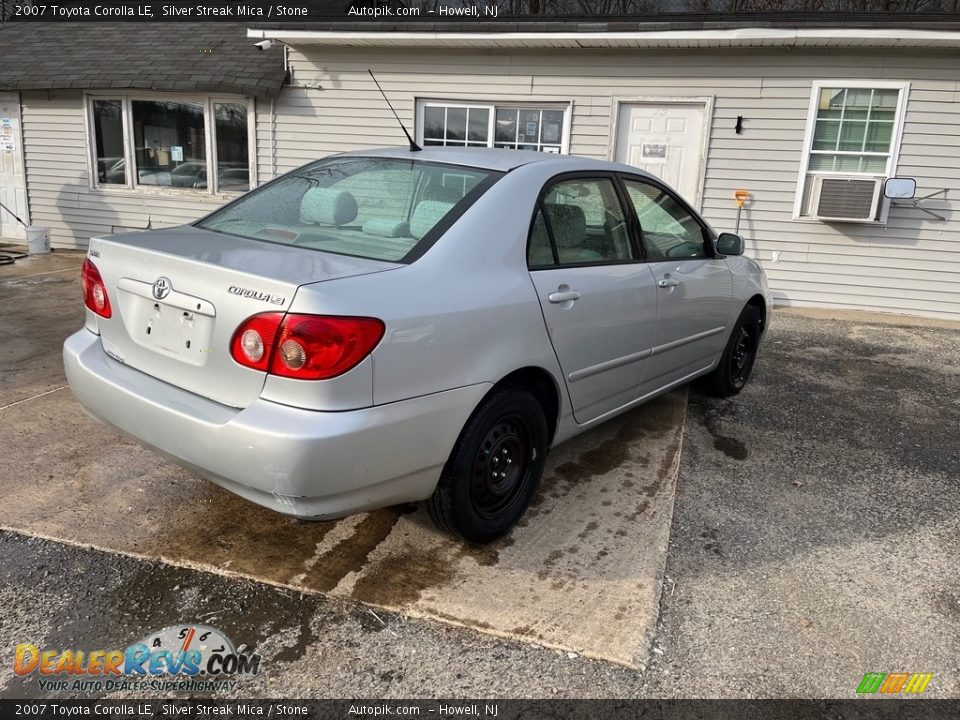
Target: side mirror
900, 188
730, 244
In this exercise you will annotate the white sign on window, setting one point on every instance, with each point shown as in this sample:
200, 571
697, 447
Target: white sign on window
176, 153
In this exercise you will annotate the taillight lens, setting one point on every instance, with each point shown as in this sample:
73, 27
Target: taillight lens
253, 342
305, 347
94, 291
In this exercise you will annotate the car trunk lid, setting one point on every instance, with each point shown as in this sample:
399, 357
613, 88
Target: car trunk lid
178, 295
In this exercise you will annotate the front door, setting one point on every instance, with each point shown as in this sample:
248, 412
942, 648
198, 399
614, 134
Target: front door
694, 289
599, 301
13, 189
666, 140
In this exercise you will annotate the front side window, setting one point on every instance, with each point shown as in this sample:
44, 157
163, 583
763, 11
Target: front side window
669, 231
542, 128
377, 208
150, 143
586, 224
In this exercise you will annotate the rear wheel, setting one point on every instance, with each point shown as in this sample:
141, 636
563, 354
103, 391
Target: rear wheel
736, 363
494, 469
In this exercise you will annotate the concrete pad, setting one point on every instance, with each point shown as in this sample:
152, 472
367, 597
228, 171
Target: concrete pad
582, 572
42, 304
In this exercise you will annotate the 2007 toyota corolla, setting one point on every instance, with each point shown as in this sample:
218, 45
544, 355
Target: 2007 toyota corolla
389, 326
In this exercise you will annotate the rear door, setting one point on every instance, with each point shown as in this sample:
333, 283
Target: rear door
693, 288
599, 300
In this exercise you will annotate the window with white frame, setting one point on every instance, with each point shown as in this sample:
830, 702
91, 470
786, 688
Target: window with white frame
196, 144
518, 127
853, 128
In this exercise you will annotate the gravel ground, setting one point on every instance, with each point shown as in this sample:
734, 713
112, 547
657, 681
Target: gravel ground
815, 538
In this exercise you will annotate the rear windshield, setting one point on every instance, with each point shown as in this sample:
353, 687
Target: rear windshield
377, 208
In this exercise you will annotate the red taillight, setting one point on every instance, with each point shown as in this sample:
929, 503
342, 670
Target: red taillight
253, 342
94, 291
306, 347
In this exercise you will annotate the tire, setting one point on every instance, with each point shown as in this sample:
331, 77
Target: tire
494, 469
731, 374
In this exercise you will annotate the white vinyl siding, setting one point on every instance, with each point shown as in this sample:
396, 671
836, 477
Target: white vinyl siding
911, 263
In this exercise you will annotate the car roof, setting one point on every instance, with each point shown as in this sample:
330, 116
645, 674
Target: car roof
497, 159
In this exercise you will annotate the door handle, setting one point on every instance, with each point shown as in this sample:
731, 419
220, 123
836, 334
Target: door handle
668, 282
562, 297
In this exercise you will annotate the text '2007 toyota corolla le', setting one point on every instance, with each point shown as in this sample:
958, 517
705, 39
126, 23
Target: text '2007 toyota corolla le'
389, 326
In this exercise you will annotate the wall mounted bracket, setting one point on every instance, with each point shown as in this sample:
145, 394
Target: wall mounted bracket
915, 203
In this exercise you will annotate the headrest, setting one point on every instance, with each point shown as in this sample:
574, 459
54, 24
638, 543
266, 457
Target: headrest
328, 206
427, 214
568, 223
385, 227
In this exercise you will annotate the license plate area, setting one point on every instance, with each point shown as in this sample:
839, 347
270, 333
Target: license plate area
181, 329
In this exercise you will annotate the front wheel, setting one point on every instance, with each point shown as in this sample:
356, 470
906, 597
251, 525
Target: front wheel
731, 374
494, 468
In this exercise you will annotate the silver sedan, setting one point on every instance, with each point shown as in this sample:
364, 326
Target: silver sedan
390, 326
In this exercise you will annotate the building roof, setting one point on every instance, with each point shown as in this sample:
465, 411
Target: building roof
206, 57
653, 30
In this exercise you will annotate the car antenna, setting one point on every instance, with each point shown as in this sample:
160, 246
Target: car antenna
413, 146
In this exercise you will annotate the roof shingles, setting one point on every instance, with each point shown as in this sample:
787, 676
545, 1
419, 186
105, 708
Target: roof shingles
215, 57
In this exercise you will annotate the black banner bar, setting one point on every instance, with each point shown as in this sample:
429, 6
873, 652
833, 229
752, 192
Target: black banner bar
855, 709
679, 13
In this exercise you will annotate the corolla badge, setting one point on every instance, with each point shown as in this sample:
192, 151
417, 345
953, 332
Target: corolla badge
162, 288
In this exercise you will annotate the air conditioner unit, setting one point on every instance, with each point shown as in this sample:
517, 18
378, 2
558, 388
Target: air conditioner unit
846, 198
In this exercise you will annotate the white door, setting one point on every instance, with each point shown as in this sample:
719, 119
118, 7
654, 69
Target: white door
13, 188
666, 140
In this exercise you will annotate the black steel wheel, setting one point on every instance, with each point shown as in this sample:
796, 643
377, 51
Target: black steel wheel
733, 371
494, 469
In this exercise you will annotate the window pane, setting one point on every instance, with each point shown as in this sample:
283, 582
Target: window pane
874, 164
433, 123
669, 230
456, 126
587, 221
825, 135
169, 143
848, 163
885, 99
233, 160
552, 129
108, 131
540, 252
852, 135
830, 104
822, 162
506, 125
479, 124
879, 135
529, 131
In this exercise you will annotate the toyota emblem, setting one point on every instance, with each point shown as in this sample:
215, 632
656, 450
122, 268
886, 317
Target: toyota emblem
162, 288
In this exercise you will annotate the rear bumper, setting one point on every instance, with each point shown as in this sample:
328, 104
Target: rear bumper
299, 462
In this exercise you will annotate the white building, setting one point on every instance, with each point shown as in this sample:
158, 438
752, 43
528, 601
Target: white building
809, 122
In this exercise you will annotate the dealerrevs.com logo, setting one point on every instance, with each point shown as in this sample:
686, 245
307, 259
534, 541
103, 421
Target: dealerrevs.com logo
179, 657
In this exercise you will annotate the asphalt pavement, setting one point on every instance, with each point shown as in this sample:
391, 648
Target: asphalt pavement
814, 539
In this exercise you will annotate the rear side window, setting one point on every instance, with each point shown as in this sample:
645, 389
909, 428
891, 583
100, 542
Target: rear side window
585, 223
377, 208
669, 230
